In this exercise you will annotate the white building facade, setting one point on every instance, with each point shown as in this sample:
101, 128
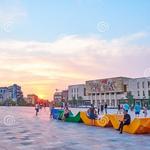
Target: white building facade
140, 89
77, 92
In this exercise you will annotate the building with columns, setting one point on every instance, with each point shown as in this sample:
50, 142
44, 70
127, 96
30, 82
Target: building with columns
113, 90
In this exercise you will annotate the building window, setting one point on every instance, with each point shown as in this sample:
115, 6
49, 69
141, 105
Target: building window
143, 93
125, 88
138, 85
148, 92
77, 90
148, 84
138, 93
143, 85
84, 91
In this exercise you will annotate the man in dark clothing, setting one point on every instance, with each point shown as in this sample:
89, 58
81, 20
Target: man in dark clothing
105, 108
126, 121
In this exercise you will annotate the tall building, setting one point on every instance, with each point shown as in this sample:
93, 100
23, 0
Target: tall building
5, 94
16, 92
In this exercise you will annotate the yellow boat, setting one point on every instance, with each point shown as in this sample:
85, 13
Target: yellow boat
103, 122
137, 126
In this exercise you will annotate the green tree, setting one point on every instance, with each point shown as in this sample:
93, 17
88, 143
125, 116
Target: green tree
130, 98
80, 100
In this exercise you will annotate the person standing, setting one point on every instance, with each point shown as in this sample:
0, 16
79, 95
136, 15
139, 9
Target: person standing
145, 110
126, 107
37, 108
102, 108
98, 108
51, 108
126, 121
119, 109
105, 108
137, 109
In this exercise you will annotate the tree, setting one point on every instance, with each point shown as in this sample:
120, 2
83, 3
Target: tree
80, 100
130, 98
74, 101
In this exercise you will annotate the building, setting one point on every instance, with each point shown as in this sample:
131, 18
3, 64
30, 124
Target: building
65, 95
32, 99
57, 96
140, 89
16, 92
5, 94
113, 90
76, 92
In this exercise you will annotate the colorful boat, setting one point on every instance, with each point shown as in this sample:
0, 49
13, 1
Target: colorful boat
103, 122
76, 118
137, 126
56, 113
71, 117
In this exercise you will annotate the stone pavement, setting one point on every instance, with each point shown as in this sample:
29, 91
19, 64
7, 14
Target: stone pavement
20, 129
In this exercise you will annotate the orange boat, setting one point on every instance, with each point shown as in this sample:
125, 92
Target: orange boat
103, 122
137, 126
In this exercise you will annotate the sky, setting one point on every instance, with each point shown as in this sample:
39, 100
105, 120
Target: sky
50, 44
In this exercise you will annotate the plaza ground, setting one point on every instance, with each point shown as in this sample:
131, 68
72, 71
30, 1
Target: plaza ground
20, 129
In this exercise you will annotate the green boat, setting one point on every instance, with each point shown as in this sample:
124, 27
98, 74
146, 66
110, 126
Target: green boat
74, 118
71, 117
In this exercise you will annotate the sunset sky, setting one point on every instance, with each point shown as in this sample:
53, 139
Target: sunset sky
50, 44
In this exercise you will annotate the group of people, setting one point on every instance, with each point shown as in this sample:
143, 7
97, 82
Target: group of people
137, 109
101, 108
92, 113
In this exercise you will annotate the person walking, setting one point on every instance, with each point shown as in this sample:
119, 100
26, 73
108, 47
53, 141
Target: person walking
137, 109
126, 121
37, 109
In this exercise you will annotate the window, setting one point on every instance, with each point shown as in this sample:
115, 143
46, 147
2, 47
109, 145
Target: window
125, 88
148, 92
84, 91
138, 93
138, 85
143, 84
148, 84
143, 93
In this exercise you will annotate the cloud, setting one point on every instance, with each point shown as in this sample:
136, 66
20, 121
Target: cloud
69, 60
